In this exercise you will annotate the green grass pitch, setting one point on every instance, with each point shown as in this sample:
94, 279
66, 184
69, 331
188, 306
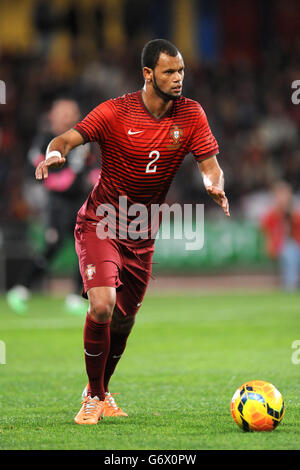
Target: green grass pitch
185, 358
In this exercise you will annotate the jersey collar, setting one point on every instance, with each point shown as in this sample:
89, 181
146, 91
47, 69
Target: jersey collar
166, 114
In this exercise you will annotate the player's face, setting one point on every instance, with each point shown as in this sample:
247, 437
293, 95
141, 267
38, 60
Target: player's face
167, 77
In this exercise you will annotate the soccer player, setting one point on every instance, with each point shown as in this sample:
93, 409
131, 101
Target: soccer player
144, 137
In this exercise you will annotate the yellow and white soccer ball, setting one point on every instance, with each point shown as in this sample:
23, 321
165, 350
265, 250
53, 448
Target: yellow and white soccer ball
257, 406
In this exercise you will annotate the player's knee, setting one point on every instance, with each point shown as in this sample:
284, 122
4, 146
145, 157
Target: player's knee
102, 306
101, 310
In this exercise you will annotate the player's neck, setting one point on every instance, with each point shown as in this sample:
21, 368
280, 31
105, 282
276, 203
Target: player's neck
154, 103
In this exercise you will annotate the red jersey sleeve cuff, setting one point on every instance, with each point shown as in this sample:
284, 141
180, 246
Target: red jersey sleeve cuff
200, 158
82, 133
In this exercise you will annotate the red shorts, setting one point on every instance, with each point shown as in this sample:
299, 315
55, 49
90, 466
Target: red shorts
109, 263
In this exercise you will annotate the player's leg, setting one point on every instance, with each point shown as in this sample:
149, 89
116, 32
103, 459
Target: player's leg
120, 328
136, 274
96, 349
99, 262
97, 336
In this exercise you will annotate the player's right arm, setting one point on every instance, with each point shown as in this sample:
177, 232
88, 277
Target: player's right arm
93, 128
63, 144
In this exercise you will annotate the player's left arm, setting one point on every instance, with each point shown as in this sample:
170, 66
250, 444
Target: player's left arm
213, 179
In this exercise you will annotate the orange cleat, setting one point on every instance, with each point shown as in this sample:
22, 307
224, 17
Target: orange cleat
110, 406
91, 412
111, 409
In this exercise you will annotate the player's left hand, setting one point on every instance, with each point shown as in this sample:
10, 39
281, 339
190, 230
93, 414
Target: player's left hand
218, 195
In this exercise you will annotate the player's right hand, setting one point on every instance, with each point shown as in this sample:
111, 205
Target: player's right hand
41, 171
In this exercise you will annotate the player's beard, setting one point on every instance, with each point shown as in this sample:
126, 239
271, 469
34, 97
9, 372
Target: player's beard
165, 96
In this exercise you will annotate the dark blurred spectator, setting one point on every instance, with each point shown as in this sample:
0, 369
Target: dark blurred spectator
66, 191
281, 226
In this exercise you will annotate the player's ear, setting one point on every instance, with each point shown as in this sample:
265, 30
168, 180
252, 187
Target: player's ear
147, 73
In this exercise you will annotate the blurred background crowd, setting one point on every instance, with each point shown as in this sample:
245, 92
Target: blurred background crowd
241, 60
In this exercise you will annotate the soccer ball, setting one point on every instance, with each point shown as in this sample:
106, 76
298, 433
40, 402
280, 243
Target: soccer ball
257, 406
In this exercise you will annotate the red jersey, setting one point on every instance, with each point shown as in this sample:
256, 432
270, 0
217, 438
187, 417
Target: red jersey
141, 154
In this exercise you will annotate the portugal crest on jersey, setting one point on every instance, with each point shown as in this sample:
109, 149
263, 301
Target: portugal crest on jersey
175, 135
90, 272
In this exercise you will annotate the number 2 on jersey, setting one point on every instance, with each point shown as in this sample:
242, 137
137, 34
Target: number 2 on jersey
156, 155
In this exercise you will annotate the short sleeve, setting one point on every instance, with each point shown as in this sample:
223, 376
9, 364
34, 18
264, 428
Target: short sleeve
95, 127
203, 144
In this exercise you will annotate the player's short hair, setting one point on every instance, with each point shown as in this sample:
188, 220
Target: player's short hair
153, 49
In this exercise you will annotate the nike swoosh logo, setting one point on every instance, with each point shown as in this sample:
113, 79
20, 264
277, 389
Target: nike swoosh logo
130, 132
117, 357
93, 355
